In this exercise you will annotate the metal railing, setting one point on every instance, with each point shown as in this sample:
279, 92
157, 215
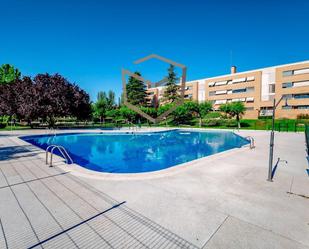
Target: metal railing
133, 126
251, 139
50, 149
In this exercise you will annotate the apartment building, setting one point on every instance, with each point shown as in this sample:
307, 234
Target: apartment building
155, 95
255, 88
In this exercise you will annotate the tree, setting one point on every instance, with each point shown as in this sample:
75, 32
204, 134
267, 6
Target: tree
128, 114
200, 109
235, 109
17, 99
46, 96
79, 102
56, 97
183, 113
111, 99
100, 107
171, 92
105, 102
25, 100
136, 91
8, 74
225, 108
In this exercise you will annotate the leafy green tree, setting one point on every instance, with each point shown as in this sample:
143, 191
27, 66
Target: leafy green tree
163, 108
235, 109
8, 74
128, 114
136, 91
225, 108
200, 109
105, 102
101, 106
171, 92
183, 113
111, 99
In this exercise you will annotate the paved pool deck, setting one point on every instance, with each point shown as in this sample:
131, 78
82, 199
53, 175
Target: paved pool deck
221, 201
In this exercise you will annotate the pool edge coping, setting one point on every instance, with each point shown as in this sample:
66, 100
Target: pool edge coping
78, 170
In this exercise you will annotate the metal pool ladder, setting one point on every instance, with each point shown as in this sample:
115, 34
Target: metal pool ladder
251, 139
50, 149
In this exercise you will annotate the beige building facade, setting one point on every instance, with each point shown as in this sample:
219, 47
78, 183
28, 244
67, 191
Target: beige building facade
256, 89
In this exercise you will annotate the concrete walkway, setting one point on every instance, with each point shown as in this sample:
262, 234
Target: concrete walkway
218, 202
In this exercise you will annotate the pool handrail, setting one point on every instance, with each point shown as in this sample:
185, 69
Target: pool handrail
61, 149
251, 139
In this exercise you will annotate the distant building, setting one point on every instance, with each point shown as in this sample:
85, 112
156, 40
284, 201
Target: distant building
256, 88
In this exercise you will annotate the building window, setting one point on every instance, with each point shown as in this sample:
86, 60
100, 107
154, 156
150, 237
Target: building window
249, 108
301, 96
250, 89
287, 85
188, 96
302, 107
301, 71
287, 73
301, 83
250, 99
211, 84
286, 107
242, 90
221, 83
295, 84
272, 88
239, 80
221, 92
250, 78
212, 93
287, 96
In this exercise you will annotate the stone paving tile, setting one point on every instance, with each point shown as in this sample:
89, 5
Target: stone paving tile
3, 242
44, 207
18, 231
237, 234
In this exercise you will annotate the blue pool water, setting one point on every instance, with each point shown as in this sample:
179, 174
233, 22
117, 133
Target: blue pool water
133, 153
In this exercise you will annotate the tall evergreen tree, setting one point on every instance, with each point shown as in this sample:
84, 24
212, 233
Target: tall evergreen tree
8, 74
111, 99
171, 92
136, 91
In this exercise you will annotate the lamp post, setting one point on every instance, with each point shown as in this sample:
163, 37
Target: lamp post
272, 139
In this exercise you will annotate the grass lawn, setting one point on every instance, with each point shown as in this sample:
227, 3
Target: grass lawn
13, 128
290, 125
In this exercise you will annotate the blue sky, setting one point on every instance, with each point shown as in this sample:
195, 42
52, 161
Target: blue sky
89, 42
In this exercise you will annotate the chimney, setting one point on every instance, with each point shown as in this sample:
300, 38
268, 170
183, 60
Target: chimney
233, 69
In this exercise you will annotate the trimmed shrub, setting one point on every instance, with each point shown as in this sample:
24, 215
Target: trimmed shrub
303, 116
212, 122
244, 124
212, 115
230, 123
265, 117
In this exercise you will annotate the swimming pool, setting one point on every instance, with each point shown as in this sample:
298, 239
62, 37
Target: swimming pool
139, 152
